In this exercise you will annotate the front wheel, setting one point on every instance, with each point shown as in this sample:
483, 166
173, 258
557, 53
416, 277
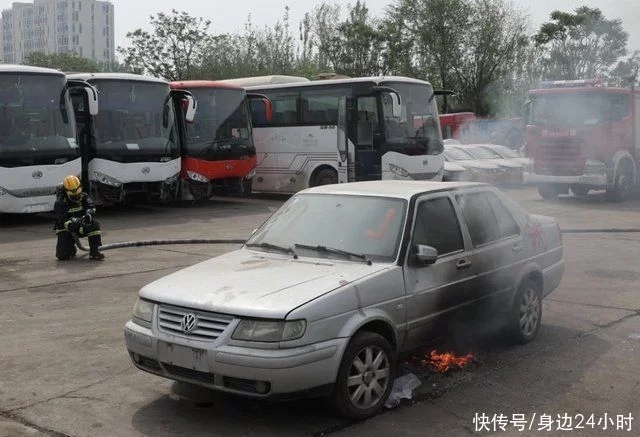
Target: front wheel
326, 176
623, 184
365, 377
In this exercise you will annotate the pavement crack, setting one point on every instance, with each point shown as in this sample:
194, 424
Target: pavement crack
548, 299
21, 420
620, 320
66, 395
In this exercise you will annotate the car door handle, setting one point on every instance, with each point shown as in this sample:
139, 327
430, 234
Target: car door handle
518, 247
463, 264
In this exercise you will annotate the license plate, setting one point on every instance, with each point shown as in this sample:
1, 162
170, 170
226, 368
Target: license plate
183, 356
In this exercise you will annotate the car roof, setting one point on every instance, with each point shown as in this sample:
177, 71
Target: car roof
17, 69
390, 188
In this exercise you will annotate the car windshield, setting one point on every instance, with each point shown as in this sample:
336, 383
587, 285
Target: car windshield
370, 226
456, 154
135, 117
31, 114
416, 129
481, 152
221, 129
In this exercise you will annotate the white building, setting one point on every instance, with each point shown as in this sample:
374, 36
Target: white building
57, 26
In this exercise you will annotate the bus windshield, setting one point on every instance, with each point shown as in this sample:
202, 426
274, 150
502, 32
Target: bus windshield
32, 108
221, 129
416, 130
568, 109
135, 118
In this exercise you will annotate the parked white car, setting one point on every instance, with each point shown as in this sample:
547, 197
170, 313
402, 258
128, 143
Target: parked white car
338, 282
506, 153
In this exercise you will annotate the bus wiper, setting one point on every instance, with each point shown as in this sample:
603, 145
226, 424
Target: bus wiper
333, 250
217, 142
274, 247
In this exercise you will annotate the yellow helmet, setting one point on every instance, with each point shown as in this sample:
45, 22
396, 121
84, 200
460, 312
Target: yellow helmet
72, 186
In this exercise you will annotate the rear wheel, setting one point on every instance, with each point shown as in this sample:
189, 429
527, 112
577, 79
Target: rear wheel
526, 314
365, 377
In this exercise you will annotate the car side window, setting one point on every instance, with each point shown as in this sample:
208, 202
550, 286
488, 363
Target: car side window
437, 226
487, 218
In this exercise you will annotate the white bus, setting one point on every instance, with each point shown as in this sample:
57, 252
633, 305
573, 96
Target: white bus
135, 146
343, 130
38, 140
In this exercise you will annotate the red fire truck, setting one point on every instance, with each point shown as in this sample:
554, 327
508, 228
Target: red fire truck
453, 125
582, 135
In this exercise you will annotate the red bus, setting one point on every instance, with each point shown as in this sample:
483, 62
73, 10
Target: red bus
218, 154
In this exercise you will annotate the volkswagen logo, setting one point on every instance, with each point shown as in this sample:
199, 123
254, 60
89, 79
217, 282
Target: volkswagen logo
229, 167
36, 174
146, 170
425, 162
189, 322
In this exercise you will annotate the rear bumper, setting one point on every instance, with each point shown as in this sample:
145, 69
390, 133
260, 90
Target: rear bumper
552, 277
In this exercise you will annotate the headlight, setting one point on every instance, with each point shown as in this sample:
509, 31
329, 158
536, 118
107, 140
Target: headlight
3, 191
269, 330
143, 310
107, 180
197, 177
172, 179
398, 170
251, 174
594, 167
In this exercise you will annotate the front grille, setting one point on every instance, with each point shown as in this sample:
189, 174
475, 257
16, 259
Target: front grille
246, 385
33, 192
208, 328
189, 373
560, 157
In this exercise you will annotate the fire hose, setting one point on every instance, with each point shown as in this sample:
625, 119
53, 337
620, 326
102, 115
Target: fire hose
241, 241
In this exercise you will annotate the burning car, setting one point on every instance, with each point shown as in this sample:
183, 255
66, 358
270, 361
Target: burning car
329, 291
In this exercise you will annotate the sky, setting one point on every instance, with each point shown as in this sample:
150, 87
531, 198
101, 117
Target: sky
230, 17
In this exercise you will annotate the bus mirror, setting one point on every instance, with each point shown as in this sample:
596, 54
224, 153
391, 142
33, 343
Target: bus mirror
267, 109
189, 106
92, 98
397, 105
260, 106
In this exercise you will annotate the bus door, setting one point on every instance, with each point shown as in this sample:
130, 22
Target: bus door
84, 98
367, 139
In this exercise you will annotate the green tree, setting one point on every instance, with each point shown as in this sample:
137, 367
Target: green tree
626, 72
66, 62
173, 50
582, 45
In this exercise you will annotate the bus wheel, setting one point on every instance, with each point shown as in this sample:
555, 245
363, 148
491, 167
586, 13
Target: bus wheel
548, 191
326, 176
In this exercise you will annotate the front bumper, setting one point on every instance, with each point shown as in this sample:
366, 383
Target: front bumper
260, 373
594, 180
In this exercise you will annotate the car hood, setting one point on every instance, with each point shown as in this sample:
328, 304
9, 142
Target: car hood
255, 284
450, 166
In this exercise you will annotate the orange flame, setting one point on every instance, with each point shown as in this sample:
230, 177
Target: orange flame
444, 362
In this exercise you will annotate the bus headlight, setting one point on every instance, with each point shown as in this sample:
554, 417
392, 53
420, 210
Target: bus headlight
269, 330
107, 180
197, 177
172, 180
398, 170
251, 174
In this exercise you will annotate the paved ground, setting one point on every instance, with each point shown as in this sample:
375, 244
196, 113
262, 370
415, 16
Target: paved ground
64, 370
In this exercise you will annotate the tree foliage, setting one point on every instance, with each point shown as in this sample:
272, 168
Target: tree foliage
172, 50
67, 62
581, 45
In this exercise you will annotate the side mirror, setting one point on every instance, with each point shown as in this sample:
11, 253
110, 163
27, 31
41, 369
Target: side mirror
396, 105
92, 98
189, 107
425, 255
260, 107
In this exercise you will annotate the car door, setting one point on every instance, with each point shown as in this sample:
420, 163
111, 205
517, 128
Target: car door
498, 248
435, 290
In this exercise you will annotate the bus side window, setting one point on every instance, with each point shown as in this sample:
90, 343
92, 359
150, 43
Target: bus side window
285, 109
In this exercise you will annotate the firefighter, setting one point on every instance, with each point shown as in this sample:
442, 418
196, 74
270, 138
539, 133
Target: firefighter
74, 212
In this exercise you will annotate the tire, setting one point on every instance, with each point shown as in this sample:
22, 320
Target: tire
579, 190
525, 315
548, 192
623, 184
326, 176
370, 386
